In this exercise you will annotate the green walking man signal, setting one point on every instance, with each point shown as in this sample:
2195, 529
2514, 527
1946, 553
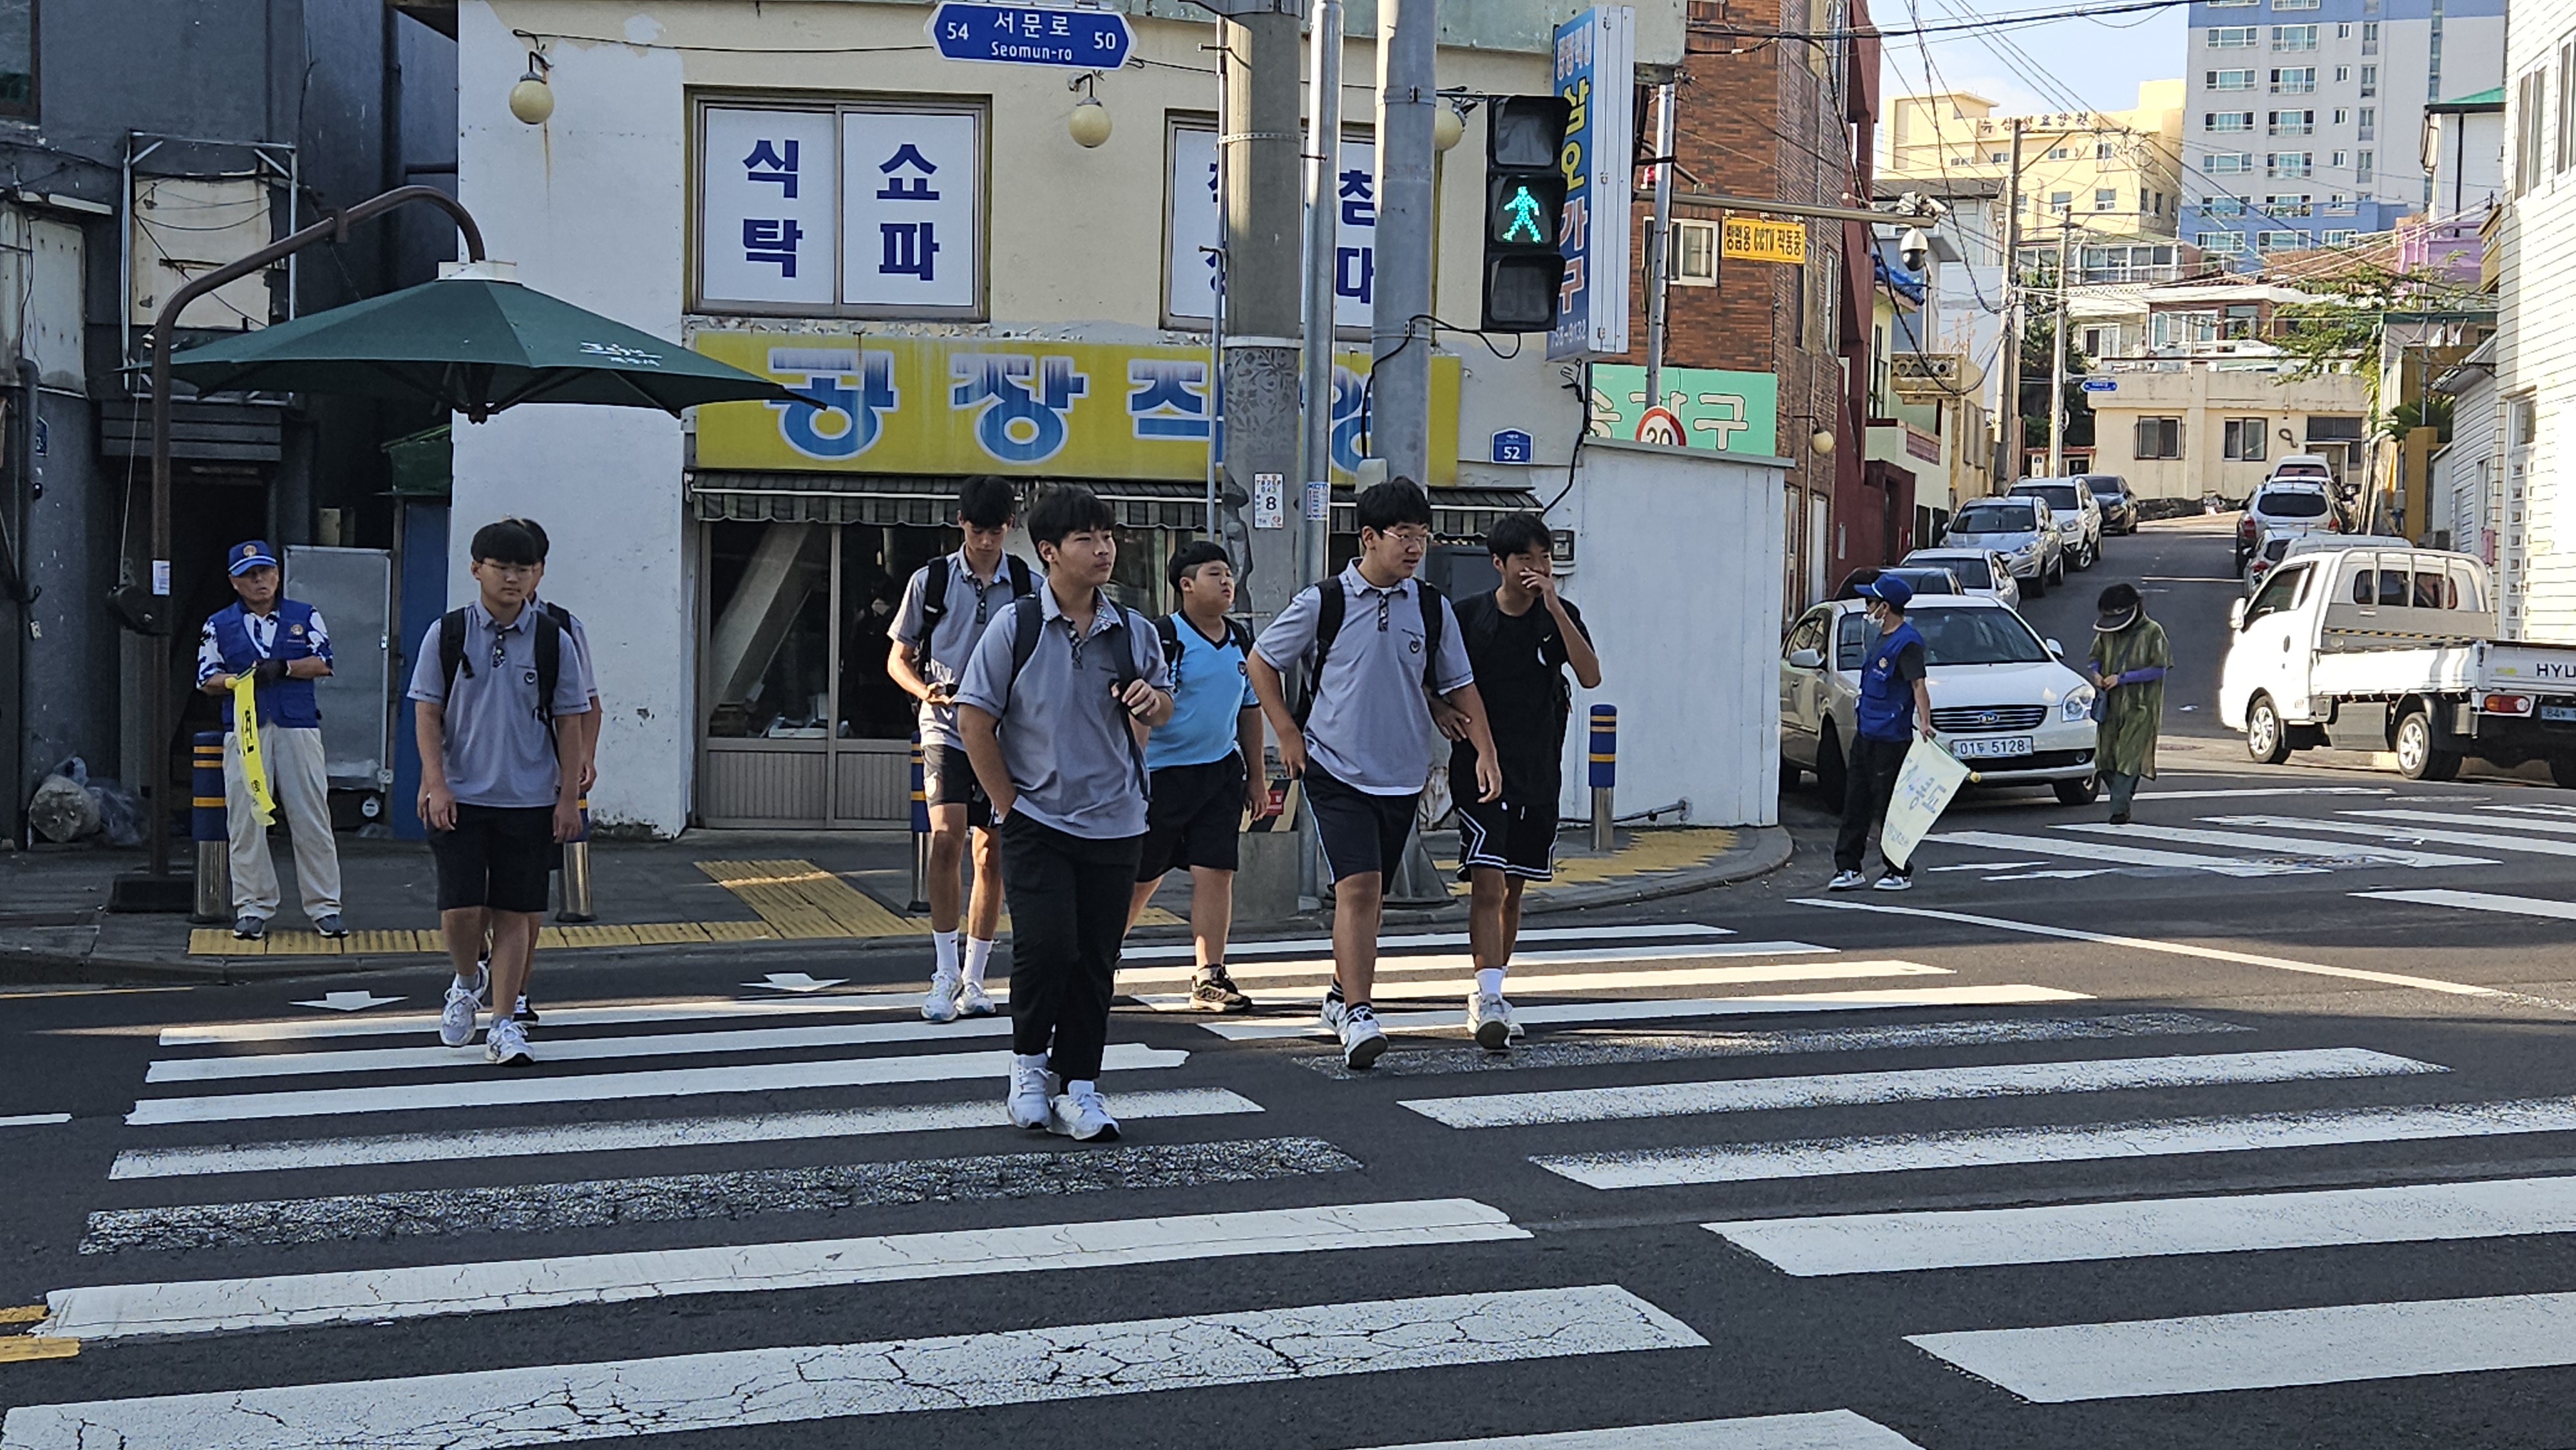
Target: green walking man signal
1522, 217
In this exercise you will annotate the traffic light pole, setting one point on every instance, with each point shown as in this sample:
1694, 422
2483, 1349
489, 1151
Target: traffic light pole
1400, 331
1323, 210
1659, 243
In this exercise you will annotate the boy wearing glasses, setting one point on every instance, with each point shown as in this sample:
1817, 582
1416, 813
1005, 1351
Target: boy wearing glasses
1378, 642
502, 758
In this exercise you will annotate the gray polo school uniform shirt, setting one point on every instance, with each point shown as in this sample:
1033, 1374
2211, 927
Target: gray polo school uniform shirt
1071, 757
1370, 727
499, 752
942, 658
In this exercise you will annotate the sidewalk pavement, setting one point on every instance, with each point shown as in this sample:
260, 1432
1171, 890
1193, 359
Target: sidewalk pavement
729, 897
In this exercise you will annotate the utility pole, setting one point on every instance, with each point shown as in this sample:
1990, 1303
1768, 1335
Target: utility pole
2057, 367
1659, 242
1260, 143
2008, 410
1408, 33
1323, 209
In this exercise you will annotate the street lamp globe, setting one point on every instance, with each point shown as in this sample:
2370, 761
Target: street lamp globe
532, 100
1089, 123
1447, 126
1822, 441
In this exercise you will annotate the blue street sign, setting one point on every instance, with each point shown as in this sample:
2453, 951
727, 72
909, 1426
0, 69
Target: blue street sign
2100, 385
1512, 445
1031, 35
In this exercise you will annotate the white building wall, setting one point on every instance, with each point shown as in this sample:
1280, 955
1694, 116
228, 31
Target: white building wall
1699, 706
592, 213
2536, 346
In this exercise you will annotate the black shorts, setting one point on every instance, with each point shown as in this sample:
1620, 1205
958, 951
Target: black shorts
1360, 832
496, 857
1195, 818
948, 779
1507, 835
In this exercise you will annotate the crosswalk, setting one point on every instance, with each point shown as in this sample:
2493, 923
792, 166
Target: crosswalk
344, 1178
2213, 833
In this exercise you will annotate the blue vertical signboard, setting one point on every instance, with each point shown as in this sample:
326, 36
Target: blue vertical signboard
1595, 71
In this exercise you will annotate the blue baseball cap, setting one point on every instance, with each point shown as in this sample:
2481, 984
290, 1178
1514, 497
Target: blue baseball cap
247, 555
1891, 588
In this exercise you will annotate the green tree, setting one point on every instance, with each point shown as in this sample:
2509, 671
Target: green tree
2038, 365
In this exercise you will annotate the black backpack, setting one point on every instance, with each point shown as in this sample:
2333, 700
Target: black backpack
934, 598
552, 620
1330, 604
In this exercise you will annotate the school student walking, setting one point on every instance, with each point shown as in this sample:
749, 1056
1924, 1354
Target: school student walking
283, 646
1052, 711
1521, 637
947, 607
1204, 764
1376, 639
502, 754
1894, 704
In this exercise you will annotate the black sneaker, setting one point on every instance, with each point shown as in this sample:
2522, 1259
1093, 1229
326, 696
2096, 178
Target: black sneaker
525, 1013
250, 928
1213, 991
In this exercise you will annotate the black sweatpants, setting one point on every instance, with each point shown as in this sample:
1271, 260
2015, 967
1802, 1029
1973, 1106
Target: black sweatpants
1068, 897
1869, 783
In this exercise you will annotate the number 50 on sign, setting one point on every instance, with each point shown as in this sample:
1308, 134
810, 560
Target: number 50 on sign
1759, 241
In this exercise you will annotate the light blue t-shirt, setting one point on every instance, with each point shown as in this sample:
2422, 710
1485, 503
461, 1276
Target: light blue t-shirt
1210, 690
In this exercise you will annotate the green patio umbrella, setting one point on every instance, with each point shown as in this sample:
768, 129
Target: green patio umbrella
475, 345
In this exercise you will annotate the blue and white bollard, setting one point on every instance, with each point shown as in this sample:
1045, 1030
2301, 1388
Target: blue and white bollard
920, 834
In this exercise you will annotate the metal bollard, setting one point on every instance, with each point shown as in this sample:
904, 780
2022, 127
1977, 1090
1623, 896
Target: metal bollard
209, 827
1605, 772
920, 834
575, 905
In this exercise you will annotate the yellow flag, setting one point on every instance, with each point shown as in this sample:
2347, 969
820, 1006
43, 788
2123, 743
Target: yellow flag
254, 764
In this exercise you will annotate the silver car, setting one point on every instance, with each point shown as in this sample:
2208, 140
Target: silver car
1979, 571
2023, 530
2079, 515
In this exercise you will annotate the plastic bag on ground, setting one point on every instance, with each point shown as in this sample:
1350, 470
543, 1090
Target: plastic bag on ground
63, 809
120, 814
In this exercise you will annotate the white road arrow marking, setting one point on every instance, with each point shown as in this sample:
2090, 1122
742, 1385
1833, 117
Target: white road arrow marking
796, 982
358, 1001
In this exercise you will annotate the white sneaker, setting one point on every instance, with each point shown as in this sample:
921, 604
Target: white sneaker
940, 1004
1081, 1114
456, 1023
1893, 882
1332, 1012
974, 1001
1489, 1019
1847, 881
1030, 1088
506, 1043
1363, 1041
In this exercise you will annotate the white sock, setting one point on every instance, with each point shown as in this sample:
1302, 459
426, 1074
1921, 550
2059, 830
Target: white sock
1033, 1059
1078, 1086
475, 986
1489, 981
979, 955
944, 943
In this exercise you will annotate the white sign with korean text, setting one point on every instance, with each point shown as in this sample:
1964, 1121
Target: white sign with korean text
1190, 268
1923, 791
766, 189
910, 209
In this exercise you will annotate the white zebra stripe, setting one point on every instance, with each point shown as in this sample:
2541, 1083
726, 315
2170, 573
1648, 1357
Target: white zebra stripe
1875, 999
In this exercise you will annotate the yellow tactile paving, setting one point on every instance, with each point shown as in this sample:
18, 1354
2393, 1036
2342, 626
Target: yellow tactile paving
803, 900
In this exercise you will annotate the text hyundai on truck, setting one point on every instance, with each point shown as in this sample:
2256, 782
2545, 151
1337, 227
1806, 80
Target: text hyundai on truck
2394, 649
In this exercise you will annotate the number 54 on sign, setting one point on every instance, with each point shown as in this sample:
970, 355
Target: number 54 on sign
1751, 240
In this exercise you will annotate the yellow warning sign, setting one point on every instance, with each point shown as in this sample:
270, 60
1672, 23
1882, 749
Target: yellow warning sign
1753, 240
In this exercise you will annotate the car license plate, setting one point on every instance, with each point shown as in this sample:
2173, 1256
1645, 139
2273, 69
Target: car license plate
1990, 747
2558, 712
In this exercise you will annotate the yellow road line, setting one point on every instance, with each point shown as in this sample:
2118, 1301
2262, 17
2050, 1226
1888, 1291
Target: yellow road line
22, 1314
28, 1346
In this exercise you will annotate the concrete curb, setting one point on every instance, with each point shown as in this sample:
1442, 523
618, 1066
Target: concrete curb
1766, 849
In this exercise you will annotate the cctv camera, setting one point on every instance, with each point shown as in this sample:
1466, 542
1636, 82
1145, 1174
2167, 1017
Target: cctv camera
1913, 249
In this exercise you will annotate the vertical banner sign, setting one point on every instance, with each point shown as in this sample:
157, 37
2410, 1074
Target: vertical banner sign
1595, 73
1189, 267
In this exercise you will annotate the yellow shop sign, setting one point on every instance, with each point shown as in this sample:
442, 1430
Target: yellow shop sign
1005, 405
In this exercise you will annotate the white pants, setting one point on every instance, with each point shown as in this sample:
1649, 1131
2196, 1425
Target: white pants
302, 789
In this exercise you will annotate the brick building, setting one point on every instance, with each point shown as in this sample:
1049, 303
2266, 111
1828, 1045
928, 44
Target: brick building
1764, 115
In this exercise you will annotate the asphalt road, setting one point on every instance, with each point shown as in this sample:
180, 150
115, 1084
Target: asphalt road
2249, 1126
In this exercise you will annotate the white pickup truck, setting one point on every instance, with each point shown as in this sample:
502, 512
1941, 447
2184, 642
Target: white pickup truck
2378, 648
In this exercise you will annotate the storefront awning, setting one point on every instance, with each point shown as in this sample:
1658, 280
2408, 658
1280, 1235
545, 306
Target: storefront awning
929, 501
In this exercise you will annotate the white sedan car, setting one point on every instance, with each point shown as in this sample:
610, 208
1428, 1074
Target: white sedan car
2001, 699
1979, 571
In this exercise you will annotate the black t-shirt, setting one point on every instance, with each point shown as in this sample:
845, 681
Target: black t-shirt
1909, 662
1519, 662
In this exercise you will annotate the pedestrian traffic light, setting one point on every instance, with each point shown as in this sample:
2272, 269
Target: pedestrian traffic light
1524, 211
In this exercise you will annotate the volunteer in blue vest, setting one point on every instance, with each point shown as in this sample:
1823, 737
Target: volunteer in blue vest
282, 645
1894, 706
